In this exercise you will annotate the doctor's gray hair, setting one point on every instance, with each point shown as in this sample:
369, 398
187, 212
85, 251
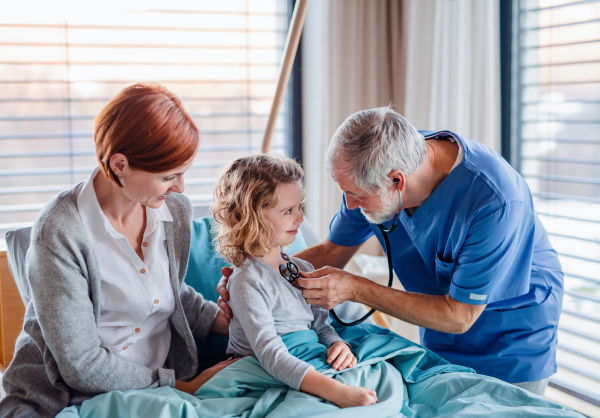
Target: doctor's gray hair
372, 143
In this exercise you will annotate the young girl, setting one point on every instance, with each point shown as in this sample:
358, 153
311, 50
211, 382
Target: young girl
258, 205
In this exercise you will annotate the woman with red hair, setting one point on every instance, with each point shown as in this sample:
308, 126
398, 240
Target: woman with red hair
106, 266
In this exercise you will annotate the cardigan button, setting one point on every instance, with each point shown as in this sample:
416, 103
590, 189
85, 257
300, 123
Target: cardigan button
145, 244
156, 301
125, 348
137, 330
142, 271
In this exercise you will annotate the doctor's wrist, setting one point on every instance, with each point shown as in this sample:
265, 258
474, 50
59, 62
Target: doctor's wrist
359, 288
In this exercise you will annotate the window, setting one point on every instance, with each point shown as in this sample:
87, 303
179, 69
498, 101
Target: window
60, 64
556, 147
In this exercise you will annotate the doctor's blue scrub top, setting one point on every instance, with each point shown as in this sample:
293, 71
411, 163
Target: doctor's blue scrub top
478, 238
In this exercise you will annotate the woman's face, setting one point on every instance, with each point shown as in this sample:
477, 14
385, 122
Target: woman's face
150, 189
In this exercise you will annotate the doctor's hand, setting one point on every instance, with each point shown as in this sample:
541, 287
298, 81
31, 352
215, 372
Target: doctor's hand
223, 293
328, 287
341, 353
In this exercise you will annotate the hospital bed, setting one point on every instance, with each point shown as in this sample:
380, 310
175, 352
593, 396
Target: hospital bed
15, 294
408, 378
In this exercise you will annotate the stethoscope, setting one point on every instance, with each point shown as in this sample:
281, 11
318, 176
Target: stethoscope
290, 270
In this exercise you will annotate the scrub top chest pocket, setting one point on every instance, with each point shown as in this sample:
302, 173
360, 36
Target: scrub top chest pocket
443, 272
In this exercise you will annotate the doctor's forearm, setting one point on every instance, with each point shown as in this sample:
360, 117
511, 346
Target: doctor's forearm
429, 311
327, 253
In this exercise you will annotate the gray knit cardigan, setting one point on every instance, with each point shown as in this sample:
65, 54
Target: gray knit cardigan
58, 353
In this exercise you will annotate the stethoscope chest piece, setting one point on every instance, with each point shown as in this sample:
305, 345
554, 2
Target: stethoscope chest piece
289, 270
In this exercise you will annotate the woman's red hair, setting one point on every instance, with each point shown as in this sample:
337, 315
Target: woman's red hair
145, 122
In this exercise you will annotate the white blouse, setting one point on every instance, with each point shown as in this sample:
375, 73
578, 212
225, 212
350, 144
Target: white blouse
136, 296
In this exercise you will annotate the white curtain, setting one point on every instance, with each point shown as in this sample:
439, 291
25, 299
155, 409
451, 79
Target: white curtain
437, 61
453, 67
351, 60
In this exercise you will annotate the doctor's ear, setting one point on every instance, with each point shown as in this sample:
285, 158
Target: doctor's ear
397, 178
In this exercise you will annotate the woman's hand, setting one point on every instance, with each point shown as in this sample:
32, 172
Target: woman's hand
205, 376
223, 293
340, 352
350, 396
220, 324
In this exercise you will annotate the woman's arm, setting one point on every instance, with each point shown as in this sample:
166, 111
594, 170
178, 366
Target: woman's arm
220, 325
200, 313
61, 297
202, 378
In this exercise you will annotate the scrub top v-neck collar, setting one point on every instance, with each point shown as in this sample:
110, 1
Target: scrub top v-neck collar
412, 224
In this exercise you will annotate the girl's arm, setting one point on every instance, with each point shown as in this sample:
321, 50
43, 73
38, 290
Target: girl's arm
325, 332
339, 353
320, 325
251, 307
252, 310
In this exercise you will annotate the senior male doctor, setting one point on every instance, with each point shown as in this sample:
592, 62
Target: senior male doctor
481, 278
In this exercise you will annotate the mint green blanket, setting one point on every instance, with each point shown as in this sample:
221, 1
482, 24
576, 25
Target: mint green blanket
410, 381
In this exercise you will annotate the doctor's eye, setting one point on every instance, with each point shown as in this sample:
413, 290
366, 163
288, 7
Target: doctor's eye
169, 178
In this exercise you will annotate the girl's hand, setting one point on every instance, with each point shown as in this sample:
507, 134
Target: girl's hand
351, 396
340, 352
205, 376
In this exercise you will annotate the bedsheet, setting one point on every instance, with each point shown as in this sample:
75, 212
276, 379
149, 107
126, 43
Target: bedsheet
410, 381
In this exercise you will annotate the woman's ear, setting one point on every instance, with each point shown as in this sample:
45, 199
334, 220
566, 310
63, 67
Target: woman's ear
118, 164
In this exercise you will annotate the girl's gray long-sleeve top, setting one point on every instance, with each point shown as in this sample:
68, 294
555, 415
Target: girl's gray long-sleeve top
265, 307
58, 354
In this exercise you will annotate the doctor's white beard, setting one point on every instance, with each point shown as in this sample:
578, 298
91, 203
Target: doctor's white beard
390, 207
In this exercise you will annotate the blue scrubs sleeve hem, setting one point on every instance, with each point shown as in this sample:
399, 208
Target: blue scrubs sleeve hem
467, 296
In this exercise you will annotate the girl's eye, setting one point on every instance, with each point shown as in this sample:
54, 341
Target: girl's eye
288, 211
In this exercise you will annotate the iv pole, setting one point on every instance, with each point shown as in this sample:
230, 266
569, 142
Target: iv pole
289, 53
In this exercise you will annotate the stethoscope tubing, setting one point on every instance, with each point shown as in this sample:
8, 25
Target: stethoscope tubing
384, 232
388, 253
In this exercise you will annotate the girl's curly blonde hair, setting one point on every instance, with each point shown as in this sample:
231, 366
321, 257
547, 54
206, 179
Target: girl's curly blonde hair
245, 190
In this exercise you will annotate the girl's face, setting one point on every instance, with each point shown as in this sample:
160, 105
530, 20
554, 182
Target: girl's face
286, 217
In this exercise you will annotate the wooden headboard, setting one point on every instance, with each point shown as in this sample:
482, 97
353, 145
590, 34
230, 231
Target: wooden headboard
12, 312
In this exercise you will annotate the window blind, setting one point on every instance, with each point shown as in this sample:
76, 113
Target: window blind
556, 118
61, 63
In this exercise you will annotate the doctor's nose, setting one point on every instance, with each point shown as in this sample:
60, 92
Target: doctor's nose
351, 202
